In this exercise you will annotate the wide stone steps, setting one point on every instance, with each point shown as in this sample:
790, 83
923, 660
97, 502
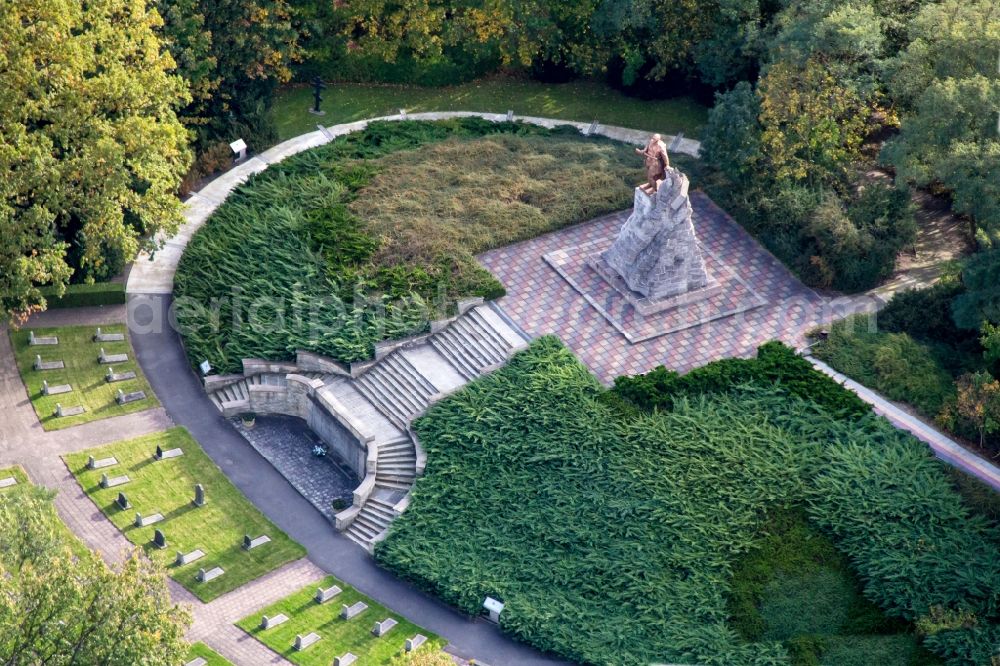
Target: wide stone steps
472, 345
395, 387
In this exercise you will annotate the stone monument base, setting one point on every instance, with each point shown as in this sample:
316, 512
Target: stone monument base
644, 305
727, 294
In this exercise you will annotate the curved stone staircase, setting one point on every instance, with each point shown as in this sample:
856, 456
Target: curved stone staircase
379, 402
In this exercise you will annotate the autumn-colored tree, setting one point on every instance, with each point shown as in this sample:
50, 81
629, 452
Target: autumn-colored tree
90, 145
978, 402
62, 607
813, 125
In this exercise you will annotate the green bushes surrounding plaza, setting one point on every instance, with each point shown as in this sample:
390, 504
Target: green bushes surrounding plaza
369, 236
617, 537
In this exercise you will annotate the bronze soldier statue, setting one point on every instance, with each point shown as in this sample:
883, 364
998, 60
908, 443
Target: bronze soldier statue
657, 162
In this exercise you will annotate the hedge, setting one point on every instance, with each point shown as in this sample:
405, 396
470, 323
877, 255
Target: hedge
81, 295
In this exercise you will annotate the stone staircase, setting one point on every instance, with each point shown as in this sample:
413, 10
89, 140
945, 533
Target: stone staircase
386, 397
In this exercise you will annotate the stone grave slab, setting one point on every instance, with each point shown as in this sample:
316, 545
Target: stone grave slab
250, 544
57, 389
8, 482
415, 642
100, 336
111, 376
345, 659
210, 575
322, 596
99, 463
35, 340
111, 482
48, 365
162, 454
349, 612
112, 358
188, 558
69, 411
143, 521
302, 642
125, 398
383, 627
197, 661
268, 622
122, 501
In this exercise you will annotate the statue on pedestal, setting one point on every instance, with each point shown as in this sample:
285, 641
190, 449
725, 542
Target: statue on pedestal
657, 162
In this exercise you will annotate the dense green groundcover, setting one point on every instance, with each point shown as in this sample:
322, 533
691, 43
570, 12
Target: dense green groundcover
613, 537
366, 237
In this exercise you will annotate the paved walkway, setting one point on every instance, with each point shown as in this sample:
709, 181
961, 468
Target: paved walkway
541, 301
161, 355
943, 446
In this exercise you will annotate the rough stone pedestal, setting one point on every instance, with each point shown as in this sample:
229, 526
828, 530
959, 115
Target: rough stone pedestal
656, 262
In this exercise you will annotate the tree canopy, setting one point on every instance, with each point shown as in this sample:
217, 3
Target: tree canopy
90, 143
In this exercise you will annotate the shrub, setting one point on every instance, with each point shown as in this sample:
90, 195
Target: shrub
775, 364
81, 295
892, 363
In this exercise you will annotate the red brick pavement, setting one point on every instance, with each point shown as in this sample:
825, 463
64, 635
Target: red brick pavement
542, 302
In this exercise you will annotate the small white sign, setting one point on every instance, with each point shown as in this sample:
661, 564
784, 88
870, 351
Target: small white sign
205, 367
238, 146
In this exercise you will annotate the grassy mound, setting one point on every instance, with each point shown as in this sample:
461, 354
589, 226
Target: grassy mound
615, 538
367, 237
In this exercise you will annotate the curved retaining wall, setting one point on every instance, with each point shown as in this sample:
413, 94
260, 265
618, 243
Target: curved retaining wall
154, 274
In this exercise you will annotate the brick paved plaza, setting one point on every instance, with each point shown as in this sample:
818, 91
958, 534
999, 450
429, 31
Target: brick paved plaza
613, 340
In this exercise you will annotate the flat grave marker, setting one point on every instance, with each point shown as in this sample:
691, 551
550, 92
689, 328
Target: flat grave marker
162, 454
144, 521
322, 596
268, 622
98, 463
350, 612
188, 558
197, 661
124, 398
113, 481
383, 627
415, 642
8, 482
302, 642
250, 544
210, 575
34, 340
345, 659
106, 358
57, 389
39, 364
100, 336
111, 376
69, 411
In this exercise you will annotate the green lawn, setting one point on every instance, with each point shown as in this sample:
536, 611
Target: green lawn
83, 372
338, 636
579, 100
209, 655
70, 539
167, 487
